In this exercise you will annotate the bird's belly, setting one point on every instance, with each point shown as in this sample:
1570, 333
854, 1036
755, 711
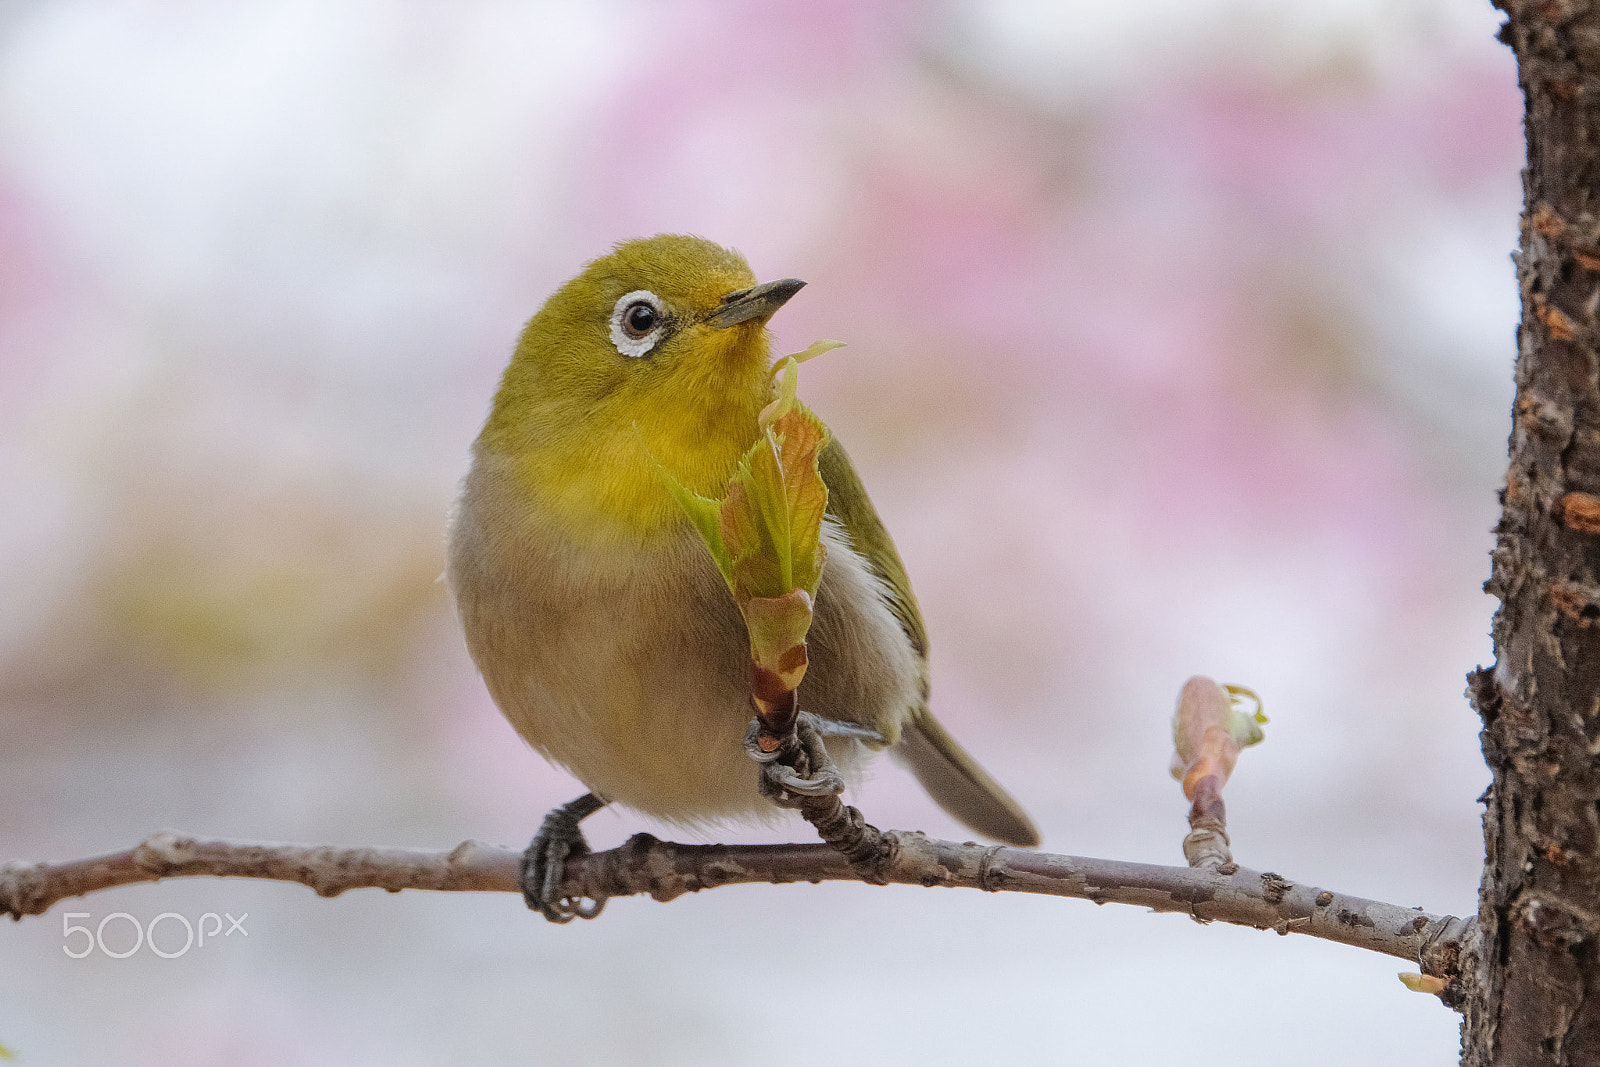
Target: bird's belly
630, 668
638, 689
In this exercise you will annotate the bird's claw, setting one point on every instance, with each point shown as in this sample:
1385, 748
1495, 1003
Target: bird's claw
544, 863
782, 780
823, 784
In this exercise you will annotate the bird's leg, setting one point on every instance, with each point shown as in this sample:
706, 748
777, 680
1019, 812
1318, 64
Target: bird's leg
798, 773
798, 767
545, 861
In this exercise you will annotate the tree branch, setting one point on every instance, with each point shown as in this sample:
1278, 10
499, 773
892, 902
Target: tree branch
665, 870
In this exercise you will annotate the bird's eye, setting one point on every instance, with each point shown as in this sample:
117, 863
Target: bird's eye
638, 323
640, 320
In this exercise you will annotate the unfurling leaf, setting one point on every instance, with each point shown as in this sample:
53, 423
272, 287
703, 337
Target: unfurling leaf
778, 628
812, 351
789, 368
772, 516
1209, 729
766, 533
705, 514
1245, 726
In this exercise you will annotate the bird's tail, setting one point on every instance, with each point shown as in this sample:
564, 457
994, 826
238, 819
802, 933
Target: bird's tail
961, 787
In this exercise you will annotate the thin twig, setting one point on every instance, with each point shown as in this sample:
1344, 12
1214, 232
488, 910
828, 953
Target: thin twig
665, 870
1207, 842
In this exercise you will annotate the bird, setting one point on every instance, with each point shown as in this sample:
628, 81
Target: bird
595, 614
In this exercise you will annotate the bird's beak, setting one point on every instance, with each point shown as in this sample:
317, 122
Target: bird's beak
756, 304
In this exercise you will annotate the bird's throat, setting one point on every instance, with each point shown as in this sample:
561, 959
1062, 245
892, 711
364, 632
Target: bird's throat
610, 486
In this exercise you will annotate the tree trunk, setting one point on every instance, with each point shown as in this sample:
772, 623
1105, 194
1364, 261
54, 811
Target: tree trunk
1533, 989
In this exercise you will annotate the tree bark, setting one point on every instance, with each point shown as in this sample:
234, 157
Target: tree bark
1533, 989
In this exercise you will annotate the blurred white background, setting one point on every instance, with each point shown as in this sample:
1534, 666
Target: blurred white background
1180, 342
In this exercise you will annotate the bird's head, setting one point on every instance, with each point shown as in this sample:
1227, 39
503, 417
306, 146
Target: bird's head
657, 350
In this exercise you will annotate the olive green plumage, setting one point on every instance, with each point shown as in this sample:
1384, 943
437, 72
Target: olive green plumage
596, 616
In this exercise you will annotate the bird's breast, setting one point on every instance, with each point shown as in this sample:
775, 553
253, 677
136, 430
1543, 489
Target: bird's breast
626, 661
623, 659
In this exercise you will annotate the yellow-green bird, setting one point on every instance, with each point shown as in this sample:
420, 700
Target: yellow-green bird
597, 617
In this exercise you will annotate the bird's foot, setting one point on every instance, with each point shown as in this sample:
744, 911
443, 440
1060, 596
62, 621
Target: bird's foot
798, 768
544, 863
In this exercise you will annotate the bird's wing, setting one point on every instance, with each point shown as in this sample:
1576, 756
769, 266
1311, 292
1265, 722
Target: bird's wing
951, 776
849, 504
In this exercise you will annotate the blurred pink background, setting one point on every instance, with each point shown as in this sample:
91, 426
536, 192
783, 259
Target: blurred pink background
1180, 342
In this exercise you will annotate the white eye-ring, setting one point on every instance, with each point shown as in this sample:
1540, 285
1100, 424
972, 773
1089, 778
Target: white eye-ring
637, 322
